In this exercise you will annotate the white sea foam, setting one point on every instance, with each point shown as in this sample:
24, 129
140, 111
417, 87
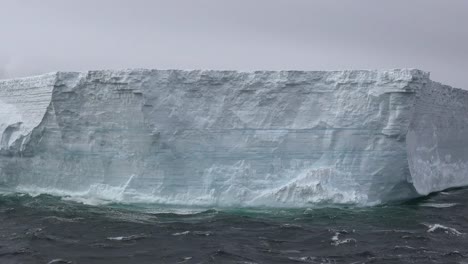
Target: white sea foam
59, 261
96, 194
439, 205
336, 241
127, 238
432, 228
304, 259
185, 259
405, 247
63, 219
181, 233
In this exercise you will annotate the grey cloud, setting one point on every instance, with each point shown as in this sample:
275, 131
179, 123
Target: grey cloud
49, 35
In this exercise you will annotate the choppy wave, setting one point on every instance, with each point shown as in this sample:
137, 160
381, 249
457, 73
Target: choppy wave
52, 228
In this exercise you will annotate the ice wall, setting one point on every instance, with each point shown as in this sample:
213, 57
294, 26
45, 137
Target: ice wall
23, 103
437, 139
227, 138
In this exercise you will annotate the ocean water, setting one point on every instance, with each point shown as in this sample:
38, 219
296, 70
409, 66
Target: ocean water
50, 229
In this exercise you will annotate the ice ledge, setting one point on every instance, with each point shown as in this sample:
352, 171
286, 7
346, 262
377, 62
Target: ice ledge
341, 76
407, 72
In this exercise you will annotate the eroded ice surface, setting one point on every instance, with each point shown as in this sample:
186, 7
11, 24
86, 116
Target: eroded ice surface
227, 138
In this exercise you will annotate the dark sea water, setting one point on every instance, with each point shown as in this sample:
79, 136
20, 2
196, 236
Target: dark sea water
47, 229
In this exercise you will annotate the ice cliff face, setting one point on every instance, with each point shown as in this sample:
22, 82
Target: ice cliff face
228, 138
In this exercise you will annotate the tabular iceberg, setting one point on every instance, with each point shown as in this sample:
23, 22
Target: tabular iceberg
227, 138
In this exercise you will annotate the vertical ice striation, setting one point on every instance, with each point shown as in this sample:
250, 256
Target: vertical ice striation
226, 138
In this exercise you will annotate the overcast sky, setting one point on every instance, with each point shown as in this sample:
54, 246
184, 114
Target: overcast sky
38, 36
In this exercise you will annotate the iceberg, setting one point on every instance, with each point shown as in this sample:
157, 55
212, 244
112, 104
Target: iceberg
228, 138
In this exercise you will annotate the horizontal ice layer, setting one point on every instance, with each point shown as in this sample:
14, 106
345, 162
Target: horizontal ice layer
227, 138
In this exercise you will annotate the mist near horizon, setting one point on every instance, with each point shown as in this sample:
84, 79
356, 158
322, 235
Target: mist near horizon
54, 35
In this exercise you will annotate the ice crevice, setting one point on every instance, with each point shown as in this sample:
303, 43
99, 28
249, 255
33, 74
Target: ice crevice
228, 138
